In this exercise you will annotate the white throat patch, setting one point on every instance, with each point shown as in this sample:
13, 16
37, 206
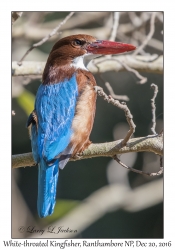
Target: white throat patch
81, 62
78, 63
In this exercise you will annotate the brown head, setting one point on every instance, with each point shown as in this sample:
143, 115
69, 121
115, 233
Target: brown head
71, 50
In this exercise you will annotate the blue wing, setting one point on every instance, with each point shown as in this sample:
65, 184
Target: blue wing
55, 109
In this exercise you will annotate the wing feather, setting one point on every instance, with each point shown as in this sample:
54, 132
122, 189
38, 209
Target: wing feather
55, 108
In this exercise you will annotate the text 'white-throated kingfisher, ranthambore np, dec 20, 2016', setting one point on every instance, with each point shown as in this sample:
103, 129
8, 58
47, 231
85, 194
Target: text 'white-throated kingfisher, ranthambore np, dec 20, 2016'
63, 116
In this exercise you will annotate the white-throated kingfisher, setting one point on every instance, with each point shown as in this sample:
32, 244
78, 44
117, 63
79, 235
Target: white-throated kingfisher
62, 120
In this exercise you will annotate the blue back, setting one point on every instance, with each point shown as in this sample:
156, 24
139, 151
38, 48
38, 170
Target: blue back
55, 108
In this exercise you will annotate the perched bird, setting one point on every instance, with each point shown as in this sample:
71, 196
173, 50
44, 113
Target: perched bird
62, 120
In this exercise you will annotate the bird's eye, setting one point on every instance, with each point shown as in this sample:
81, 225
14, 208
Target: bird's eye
77, 42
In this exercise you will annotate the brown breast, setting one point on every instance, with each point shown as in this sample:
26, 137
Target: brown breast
85, 111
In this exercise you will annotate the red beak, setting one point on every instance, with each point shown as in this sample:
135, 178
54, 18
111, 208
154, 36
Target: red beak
108, 47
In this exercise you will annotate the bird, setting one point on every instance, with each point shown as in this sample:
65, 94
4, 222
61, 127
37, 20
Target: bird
64, 110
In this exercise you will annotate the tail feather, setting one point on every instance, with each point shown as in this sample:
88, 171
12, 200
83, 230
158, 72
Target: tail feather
47, 185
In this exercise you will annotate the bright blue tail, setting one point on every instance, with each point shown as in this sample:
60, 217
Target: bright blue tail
47, 186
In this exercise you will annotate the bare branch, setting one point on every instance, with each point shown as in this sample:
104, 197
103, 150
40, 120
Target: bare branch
142, 78
118, 97
155, 87
28, 68
108, 86
135, 170
154, 43
115, 26
140, 63
152, 144
149, 36
52, 33
16, 15
123, 107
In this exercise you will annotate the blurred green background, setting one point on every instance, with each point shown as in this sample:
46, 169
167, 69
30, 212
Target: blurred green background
80, 179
